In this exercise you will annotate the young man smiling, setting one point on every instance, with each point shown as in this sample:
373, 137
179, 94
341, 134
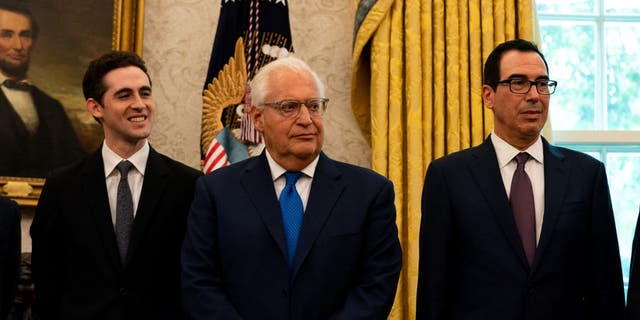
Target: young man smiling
108, 229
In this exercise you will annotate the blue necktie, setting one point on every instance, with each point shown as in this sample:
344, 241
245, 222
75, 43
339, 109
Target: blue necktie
292, 210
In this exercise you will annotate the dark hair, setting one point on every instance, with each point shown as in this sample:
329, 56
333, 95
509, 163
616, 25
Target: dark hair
22, 7
93, 85
492, 65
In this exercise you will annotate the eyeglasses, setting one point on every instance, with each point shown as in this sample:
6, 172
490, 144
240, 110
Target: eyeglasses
522, 86
291, 108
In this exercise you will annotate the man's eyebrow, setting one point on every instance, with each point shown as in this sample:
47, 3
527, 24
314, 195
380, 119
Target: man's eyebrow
522, 76
123, 90
129, 90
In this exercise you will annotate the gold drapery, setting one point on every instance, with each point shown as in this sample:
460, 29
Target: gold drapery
416, 94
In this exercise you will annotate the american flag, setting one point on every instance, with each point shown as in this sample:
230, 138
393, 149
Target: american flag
264, 28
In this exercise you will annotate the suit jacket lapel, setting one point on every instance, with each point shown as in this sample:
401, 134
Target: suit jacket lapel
155, 180
98, 203
256, 181
325, 191
555, 185
486, 173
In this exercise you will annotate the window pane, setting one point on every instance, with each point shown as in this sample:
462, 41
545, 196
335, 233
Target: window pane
623, 171
594, 154
569, 49
565, 6
623, 75
622, 7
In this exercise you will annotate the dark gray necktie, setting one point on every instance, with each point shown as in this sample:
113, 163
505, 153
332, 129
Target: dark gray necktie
124, 210
523, 206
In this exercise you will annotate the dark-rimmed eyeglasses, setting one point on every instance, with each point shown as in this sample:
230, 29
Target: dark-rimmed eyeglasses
522, 86
291, 108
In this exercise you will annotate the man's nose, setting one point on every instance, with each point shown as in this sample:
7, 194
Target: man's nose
533, 93
16, 43
138, 102
304, 117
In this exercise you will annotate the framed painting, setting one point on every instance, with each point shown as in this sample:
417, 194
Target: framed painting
56, 51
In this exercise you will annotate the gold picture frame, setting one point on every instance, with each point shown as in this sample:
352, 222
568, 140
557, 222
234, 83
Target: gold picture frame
127, 34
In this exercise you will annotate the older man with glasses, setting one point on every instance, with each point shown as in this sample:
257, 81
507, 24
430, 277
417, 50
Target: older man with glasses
517, 228
291, 234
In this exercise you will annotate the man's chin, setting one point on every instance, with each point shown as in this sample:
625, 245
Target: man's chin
17, 71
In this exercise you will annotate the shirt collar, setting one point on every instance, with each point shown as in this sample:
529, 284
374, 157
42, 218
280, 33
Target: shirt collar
138, 159
277, 171
506, 152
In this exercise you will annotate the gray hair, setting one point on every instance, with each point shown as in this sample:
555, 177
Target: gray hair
259, 84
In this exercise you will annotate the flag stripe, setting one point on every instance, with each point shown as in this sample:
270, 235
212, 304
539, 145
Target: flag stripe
216, 157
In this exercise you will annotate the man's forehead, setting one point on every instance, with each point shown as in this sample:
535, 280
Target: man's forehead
528, 63
130, 77
10, 19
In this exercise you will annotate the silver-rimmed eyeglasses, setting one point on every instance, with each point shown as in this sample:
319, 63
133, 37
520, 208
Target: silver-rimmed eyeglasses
291, 108
522, 86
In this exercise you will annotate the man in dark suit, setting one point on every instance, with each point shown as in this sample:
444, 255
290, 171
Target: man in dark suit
263, 245
633, 293
35, 133
517, 228
106, 244
9, 253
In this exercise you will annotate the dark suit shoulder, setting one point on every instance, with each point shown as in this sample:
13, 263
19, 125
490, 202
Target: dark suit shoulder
563, 152
9, 209
233, 169
576, 160
357, 173
461, 158
179, 168
70, 170
44, 97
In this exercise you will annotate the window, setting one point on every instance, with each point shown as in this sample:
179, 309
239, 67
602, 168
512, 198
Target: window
593, 51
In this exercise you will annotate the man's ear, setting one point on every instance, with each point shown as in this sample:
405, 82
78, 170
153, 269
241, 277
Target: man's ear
487, 96
258, 117
95, 109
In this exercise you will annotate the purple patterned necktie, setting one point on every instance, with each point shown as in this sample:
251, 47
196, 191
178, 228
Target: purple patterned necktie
523, 206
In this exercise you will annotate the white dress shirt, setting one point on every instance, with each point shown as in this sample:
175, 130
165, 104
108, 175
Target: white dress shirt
534, 167
303, 185
135, 177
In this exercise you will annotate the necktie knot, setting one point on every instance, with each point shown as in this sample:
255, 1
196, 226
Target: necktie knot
521, 159
16, 85
292, 177
124, 167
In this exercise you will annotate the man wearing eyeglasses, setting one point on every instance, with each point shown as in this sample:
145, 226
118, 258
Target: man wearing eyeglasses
516, 228
291, 234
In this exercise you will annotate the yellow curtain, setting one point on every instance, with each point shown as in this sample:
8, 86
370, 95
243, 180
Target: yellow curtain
416, 94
